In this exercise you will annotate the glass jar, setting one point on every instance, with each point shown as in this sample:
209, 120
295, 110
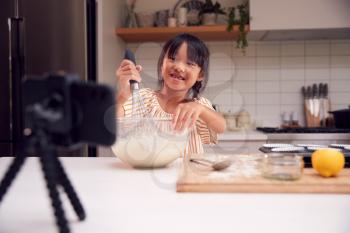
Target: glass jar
285, 166
230, 121
243, 120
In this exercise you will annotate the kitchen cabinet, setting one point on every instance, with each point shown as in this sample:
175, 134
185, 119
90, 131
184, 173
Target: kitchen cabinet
299, 14
156, 34
235, 147
298, 19
233, 142
309, 138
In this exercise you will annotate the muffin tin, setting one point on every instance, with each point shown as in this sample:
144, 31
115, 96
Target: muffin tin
341, 146
288, 149
282, 147
275, 145
305, 150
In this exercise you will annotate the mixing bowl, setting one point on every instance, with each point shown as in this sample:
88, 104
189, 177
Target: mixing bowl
148, 142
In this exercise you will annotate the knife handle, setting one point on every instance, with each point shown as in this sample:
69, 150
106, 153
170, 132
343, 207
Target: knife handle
314, 91
325, 90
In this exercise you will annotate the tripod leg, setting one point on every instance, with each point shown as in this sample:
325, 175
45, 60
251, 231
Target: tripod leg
62, 178
49, 169
10, 174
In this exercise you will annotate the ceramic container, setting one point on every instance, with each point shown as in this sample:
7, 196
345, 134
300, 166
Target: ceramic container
145, 19
172, 22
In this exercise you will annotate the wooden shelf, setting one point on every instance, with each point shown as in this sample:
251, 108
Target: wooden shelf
156, 34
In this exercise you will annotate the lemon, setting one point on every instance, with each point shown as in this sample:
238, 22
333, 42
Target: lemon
328, 162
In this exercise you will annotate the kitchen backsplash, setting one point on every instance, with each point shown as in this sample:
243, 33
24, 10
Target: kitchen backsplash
266, 81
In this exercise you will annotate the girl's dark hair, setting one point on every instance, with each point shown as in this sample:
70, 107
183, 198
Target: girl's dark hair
197, 52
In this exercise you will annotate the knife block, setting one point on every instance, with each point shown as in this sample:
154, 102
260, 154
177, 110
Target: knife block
312, 120
308, 116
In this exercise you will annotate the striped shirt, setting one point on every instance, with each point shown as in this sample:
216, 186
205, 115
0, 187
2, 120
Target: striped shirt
201, 134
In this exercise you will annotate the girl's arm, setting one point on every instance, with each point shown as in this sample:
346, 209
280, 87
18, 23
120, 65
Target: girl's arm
214, 120
127, 71
191, 111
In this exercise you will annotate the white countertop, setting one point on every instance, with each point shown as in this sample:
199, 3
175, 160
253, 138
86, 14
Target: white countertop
242, 135
119, 199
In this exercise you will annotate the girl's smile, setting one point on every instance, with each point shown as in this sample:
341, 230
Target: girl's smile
177, 76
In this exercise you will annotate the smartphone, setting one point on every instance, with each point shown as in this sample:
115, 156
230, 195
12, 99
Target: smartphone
69, 110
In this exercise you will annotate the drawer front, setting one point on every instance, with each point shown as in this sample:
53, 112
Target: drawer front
234, 147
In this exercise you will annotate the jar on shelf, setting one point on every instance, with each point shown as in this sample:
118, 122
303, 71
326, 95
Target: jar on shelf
243, 120
182, 17
231, 123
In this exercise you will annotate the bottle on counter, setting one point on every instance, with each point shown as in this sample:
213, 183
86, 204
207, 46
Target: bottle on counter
290, 120
294, 119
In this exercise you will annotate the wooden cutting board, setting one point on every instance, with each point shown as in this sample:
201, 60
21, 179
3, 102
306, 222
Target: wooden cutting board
195, 179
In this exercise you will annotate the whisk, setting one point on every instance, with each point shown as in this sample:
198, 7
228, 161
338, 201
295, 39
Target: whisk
138, 106
141, 120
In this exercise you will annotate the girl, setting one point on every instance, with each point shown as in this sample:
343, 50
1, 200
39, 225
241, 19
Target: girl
182, 76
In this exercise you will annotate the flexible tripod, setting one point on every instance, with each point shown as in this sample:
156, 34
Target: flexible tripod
54, 173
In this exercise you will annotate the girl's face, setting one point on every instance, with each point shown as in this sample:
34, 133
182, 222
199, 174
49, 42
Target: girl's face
179, 73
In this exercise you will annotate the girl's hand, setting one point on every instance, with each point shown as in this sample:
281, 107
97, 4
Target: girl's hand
127, 71
186, 115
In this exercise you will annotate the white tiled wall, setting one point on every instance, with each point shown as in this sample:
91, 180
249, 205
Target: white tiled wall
268, 79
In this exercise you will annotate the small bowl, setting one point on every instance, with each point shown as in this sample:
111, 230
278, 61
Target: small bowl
283, 166
148, 142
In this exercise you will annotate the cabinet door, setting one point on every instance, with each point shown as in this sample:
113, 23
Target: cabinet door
299, 14
234, 147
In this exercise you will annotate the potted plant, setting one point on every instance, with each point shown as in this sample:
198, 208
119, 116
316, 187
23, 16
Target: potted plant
239, 16
221, 16
209, 12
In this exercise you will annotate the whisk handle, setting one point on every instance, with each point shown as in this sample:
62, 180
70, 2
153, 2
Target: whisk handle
131, 57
